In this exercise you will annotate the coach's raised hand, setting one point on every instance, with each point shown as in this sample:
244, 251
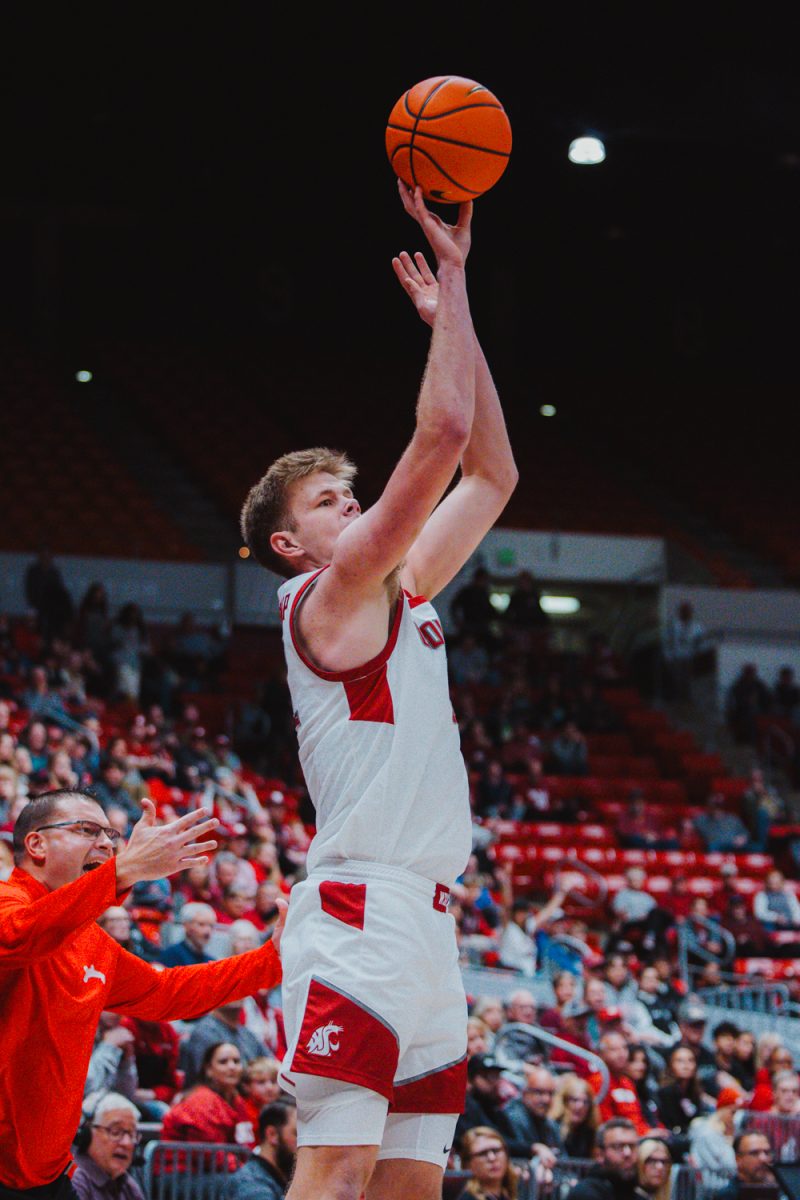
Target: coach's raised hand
155, 851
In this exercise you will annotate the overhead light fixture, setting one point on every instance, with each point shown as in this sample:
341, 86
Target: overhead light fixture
559, 606
586, 151
83, 376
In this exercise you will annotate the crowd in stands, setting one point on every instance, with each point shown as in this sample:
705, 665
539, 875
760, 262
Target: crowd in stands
100, 701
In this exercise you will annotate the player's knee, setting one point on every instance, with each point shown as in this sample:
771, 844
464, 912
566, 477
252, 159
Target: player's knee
332, 1172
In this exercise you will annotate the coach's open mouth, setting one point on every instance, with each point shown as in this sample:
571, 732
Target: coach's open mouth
90, 866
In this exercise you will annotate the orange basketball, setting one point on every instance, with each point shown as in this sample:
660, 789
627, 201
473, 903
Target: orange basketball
450, 136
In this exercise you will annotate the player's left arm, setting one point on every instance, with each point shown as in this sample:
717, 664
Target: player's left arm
488, 471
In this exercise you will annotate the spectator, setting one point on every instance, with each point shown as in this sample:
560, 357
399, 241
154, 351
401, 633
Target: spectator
472, 610
265, 1020
534, 1135
692, 1023
703, 933
40, 700
199, 921
491, 1012
259, 1085
574, 1111
753, 1156
118, 924
484, 1154
748, 933
213, 1111
711, 1140
654, 1166
266, 1174
615, 1175
776, 906
517, 947
652, 994
235, 902
484, 1101
106, 1152
92, 628
564, 987
112, 1066
479, 1037
468, 661
130, 645
621, 1100
642, 1074
47, 595
771, 1058
724, 1036
684, 641
494, 794
721, 831
517, 1046
568, 752
743, 1067
748, 699
785, 1093
761, 807
110, 789
640, 828
786, 695
680, 1098
155, 1049
220, 1025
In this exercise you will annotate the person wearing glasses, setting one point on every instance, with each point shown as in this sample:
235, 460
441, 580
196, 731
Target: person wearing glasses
655, 1168
753, 1164
102, 1168
485, 1155
59, 970
615, 1175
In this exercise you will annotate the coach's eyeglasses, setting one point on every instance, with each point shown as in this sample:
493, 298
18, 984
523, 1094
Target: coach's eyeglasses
87, 829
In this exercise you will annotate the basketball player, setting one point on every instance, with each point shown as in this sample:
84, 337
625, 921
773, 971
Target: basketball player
373, 1001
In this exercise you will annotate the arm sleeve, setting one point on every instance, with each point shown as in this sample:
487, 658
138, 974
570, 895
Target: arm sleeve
103, 1066
181, 993
33, 930
760, 910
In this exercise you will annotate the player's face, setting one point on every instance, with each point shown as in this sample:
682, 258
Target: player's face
64, 854
322, 507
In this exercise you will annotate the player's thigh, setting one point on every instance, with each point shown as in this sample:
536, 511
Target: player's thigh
332, 1172
404, 1178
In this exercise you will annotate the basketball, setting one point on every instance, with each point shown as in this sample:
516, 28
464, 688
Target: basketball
451, 137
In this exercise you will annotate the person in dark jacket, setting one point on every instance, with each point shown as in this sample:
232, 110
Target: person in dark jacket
265, 1175
753, 1164
615, 1176
484, 1101
680, 1098
534, 1135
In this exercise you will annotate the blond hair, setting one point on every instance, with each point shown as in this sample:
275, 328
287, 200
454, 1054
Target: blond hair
646, 1148
571, 1084
266, 509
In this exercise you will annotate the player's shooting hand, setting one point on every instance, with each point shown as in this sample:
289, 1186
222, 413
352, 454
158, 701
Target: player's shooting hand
156, 851
450, 243
277, 928
419, 283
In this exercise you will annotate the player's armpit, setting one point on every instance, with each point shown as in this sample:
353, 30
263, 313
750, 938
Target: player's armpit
453, 532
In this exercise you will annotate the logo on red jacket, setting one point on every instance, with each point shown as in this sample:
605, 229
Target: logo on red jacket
92, 973
321, 1041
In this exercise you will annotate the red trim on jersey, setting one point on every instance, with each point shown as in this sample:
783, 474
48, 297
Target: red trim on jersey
370, 698
353, 673
441, 897
442, 1091
341, 1040
345, 901
414, 601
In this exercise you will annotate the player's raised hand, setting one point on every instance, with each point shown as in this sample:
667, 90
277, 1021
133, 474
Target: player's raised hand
156, 851
419, 283
450, 243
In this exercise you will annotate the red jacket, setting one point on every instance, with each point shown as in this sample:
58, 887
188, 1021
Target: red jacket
203, 1116
156, 1052
58, 972
621, 1100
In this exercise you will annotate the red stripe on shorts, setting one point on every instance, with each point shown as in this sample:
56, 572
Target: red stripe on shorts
442, 1091
345, 901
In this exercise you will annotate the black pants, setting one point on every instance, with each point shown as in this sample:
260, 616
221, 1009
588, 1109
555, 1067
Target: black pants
59, 1189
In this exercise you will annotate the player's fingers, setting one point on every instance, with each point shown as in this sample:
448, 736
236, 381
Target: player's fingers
411, 267
464, 215
426, 274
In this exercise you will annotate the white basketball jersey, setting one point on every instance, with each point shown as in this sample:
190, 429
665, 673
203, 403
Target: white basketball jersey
380, 748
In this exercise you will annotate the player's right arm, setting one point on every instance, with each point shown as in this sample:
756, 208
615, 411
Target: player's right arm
371, 547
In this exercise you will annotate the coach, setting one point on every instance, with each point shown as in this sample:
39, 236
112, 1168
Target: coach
59, 970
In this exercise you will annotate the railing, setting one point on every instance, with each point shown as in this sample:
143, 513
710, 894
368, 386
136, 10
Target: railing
189, 1170
687, 945
551, 1039
557, 1182
770, 998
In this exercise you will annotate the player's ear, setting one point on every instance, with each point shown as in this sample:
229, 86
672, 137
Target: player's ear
284, 543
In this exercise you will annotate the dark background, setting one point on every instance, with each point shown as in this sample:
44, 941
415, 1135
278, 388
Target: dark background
221, 180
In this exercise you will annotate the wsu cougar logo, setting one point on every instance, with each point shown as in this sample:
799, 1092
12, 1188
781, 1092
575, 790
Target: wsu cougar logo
92, 973
321, 1042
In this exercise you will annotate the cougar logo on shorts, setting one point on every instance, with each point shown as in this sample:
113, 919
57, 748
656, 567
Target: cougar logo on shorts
92, 973
321, 1042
